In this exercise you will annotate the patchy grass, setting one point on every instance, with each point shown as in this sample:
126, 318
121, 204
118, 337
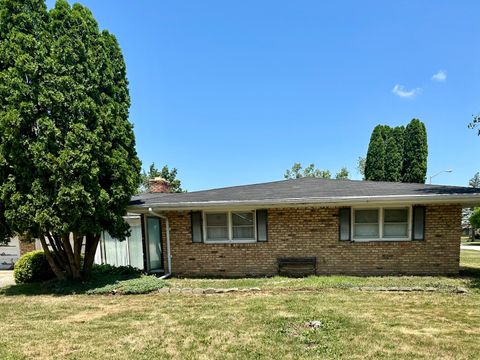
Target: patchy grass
259, 325
354, 325
441, 283
470, 259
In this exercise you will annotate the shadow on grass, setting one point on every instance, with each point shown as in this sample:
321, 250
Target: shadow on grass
68, 287
473, 274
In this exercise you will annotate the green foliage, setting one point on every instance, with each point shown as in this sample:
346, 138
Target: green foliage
475, 181
393, 160
415, 153
165, 173
475, 122
297, 171
475, 218
397, 154
142, 285
115, 270
342, 174
375, 161
361, 165
32, 267
68, 162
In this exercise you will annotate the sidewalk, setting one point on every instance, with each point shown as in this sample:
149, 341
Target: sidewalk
470, 247
6, 278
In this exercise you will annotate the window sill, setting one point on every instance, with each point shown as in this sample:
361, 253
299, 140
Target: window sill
230, 242
381, 240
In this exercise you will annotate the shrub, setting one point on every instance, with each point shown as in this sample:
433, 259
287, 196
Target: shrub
142, 285
115, 270
32, 267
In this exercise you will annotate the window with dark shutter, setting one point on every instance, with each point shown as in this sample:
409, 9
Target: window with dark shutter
418, 226
344, 224
262, 225
197, 233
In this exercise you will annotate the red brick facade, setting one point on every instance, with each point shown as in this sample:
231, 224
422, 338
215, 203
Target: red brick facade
26, 246
307, 232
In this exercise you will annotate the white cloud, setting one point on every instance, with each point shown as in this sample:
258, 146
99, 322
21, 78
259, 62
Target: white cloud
402, 92
441, 75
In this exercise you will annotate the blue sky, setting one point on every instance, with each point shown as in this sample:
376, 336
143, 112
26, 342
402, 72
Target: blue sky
235, 92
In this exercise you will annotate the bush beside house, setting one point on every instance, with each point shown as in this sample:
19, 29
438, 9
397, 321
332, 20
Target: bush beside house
32, 267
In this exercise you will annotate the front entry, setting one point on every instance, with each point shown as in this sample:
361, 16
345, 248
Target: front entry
154, 241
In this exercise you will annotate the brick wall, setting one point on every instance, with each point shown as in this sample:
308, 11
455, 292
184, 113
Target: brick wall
26, 246
314, 232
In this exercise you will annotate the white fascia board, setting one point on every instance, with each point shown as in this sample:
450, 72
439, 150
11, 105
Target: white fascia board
466, 200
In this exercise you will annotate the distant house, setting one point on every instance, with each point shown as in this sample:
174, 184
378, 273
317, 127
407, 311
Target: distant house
320, 226
9, 254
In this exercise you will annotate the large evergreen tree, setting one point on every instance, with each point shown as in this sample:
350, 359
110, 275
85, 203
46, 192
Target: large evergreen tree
67, 150
375, 161
415, 153
394, 154
397, 154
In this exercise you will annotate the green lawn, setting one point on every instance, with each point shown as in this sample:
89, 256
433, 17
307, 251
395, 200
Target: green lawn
258, 325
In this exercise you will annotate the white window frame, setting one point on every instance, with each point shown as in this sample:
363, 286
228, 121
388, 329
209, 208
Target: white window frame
230, 239
381, 210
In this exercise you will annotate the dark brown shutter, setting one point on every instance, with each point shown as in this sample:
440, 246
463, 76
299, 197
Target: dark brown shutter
344, 232
197, 231
262, 225
418, 226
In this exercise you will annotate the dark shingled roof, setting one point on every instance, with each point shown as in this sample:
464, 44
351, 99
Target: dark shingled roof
308, 190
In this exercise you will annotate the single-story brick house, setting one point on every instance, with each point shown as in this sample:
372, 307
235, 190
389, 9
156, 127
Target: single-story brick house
336, 226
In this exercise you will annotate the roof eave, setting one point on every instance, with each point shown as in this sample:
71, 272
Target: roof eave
465, 200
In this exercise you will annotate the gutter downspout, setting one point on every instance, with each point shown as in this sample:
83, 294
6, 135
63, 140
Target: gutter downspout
167, 230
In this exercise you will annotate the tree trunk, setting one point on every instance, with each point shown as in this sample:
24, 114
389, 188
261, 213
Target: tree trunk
90, 249
77, 251
74, 266
56, 270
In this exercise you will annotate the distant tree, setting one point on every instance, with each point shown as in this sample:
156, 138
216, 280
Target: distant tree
361, 166
475, 122
415, 153
475, 181
169, 175
472, 213
68, 163
342, 174
297, 172
475, 219
375, 161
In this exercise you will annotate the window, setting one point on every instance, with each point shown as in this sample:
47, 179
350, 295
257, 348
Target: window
231, 226
366, 224
395, 223
217, 226
242, 225
381, 224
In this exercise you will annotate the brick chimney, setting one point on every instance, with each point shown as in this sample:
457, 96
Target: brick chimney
159, 185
